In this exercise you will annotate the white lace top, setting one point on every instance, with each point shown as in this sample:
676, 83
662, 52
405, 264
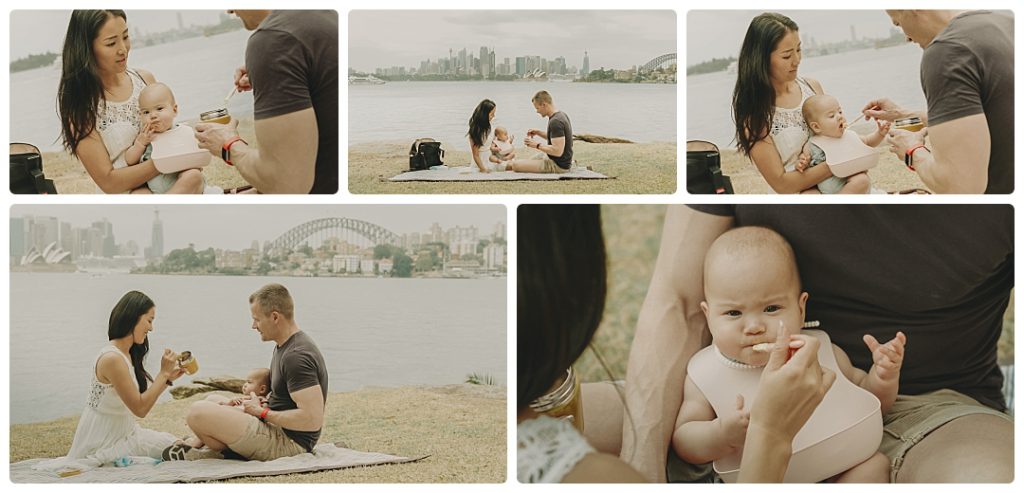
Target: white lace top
119, 123
548, 449
789, 130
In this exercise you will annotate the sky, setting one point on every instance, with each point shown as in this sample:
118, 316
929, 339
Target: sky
719, 33
613, 38
236, 226
39, 31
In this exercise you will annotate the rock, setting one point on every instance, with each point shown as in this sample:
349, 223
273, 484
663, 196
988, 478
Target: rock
188, 390
598, 139
225, 382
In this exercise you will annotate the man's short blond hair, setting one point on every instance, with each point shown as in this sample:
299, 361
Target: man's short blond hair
542, 97
274, 298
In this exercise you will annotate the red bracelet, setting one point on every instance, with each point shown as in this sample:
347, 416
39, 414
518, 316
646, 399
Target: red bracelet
263, 415
908, 158
225, 150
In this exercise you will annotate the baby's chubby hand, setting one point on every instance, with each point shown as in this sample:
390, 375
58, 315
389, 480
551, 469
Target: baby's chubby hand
883, 126
145, 136
888, 357
803, 162
734, 426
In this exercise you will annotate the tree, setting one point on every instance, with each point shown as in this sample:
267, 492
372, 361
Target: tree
425, 263
401, 265
385, 251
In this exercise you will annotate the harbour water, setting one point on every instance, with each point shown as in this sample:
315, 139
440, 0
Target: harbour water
853, 77
200, 72
407, 111
372, 332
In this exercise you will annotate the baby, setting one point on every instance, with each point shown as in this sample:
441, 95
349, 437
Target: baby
824, 116
256, 382
502, 149
752, 287
158, 110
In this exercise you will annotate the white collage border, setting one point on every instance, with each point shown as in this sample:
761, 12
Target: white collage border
510, 201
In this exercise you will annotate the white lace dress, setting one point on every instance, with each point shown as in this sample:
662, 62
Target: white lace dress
789, 129
107, 430
484, 152
119, 123
548, 449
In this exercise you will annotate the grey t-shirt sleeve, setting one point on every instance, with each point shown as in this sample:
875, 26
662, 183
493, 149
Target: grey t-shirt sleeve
557, 129
951, 76
300, 371
278, 69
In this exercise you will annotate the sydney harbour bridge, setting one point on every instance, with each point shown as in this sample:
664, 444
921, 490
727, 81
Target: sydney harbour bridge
663, 60
317, 231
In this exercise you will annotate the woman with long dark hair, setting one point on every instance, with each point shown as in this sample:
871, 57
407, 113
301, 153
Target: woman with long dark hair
121, 390
766, 103
562, 282
480, 133
98, 102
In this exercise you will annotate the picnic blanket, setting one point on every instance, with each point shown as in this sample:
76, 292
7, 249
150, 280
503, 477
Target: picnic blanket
324, 457
466, 173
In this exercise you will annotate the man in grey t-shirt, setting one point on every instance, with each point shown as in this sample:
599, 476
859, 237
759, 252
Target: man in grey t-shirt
291, 66
967, 77
556, 155
291, 421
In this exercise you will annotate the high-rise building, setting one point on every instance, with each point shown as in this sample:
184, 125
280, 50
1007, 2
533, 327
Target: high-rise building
67, 240
520, 65
18, 246
485, 60
156, 237
586, 64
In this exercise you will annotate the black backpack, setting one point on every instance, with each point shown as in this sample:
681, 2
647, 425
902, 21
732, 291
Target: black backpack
704, 169
425, 153
27, 171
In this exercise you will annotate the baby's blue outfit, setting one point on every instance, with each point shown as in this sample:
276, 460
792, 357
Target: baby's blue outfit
832, 184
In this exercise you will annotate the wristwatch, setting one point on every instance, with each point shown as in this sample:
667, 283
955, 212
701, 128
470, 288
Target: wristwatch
908, 158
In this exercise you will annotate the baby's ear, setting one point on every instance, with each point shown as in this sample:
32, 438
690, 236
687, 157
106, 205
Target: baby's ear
815, 126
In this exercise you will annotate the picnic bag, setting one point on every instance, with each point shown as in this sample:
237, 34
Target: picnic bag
704, 169
425, 153
27, 171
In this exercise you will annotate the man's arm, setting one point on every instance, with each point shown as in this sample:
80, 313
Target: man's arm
670, 329
555, 149
958, 161
286, 159
309, 416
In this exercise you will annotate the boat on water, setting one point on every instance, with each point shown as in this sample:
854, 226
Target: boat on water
369, 80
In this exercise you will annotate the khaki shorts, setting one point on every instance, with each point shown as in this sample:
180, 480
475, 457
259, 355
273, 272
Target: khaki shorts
264, 441
913, 417
549, 165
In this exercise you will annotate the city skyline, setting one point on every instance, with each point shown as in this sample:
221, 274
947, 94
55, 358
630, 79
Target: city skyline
41, 31
617, 39
719, 33
224, 227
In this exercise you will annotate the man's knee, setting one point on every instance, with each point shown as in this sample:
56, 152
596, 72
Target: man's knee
198, 413
976, 448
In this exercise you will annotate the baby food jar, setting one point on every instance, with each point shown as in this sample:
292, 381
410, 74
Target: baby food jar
912, 124
215, 116
188, 362
563, 401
